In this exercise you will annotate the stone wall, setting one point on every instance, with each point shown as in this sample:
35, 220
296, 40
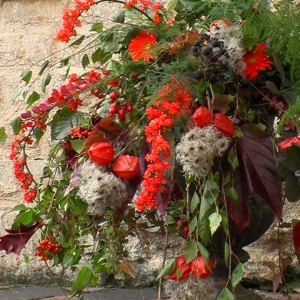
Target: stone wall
26, 36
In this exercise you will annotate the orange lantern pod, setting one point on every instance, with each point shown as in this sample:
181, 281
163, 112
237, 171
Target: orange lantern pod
200, 269
126, 167
182, 270
201, 117
101, 154
224, 124
288, 143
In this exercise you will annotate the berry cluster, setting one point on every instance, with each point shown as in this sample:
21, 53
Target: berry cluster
213, 55
46, 249
79, 132
118, 109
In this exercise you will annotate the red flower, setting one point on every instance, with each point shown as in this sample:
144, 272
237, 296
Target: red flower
200, 269
201, 117
126, 167
141, 47
256, 61
101, 154
182, 270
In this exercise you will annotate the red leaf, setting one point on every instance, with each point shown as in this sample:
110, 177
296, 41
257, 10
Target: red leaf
296, 238
256, 174
288, 143
15, 240
107, 130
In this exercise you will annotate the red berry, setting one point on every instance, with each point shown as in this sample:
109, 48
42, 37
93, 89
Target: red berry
121, 114
179, 223
113, 109
185, 231
129, 108
113, 96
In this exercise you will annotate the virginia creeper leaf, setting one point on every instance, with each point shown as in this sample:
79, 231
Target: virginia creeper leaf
225, 295
190, 251
256, 174
214, 222
26, 75
296, 238
15, 240
16, 125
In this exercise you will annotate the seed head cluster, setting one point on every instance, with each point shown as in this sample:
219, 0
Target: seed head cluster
194, 288
101, 190
198, 148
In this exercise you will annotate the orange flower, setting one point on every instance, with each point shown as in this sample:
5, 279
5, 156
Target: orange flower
256, 61
141, 47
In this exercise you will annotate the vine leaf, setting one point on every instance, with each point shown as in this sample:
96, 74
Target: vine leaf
126, 267
256, 174
15, 240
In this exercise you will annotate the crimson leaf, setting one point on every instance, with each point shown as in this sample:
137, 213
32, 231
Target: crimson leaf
15, 240
296, 238
256, 174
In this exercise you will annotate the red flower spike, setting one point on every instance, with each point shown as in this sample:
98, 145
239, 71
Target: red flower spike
223, 124
126, 167
101, 154
201, 117
201, 270
182, 270
288, 143
296, 238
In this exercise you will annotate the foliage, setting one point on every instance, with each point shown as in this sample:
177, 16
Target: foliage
172, 124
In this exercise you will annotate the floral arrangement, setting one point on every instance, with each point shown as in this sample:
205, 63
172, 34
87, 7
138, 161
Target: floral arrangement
184, 115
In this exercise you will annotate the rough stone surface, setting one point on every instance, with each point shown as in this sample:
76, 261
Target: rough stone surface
26, 36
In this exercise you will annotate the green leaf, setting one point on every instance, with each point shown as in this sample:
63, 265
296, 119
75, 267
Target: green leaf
190, 251
26, 75
120, 18
204, 230
232, 195
272, 87
237, 275
168, 269
232, 159
203, 252
3, 136
85, 60
43, 67
64, 62
77, 145
63, 121
19, 207
278, 65
100, 56
82, 280
98, 27
194, 202
78, 41
26, 218
34, 96
214, 222
172, 4
71, 257
225, 295
38, 134
193, 224
46, 80
16, 125
226, 253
